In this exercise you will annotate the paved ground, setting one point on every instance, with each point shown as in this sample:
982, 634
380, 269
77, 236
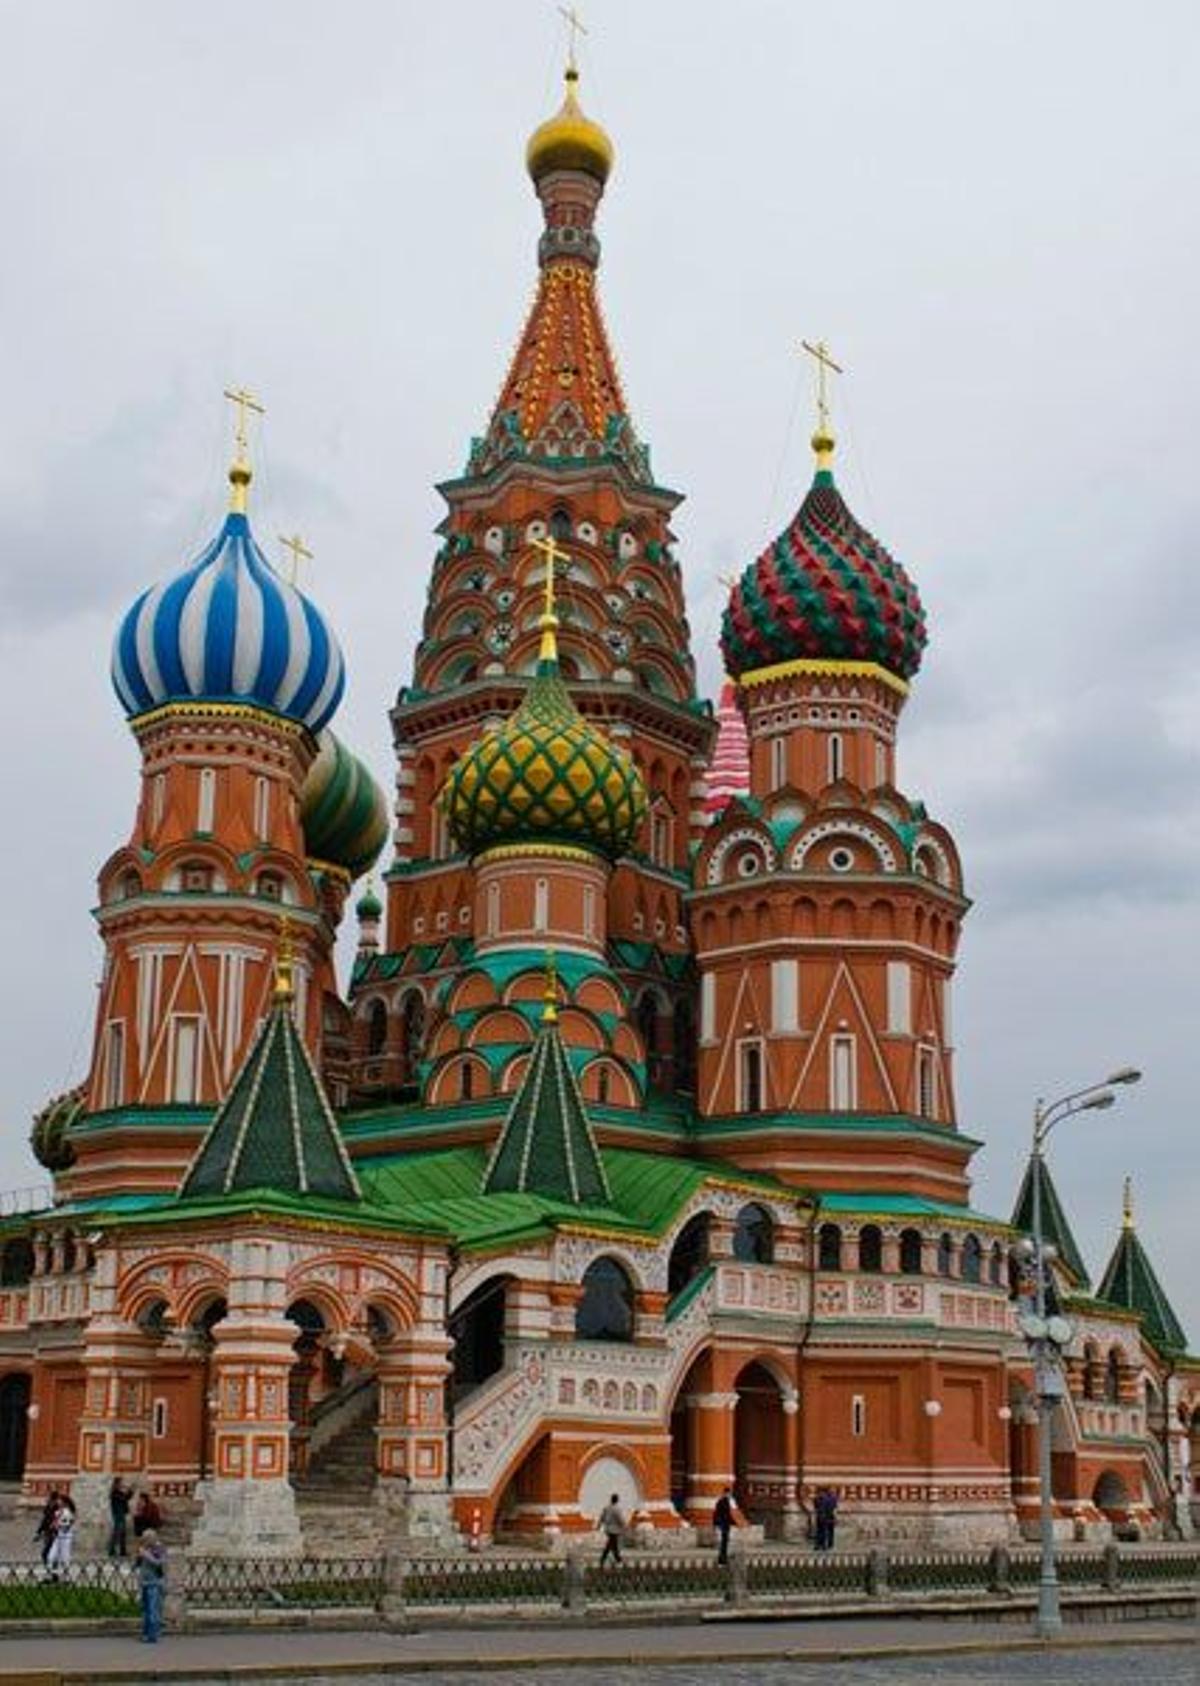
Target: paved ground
848, 1653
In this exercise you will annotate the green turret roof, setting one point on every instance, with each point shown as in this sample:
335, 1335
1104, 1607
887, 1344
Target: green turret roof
275, 1128
546, 1146
1055, 1227
1130, 1282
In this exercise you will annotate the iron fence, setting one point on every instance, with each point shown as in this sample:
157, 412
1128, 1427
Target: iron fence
794, 1574
650, 1576
28, 1592
941, 1571
222, 1583
434, 1581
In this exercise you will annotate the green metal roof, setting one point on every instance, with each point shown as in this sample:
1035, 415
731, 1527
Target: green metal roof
1131, 1283
546, 1145
275, 1128
1055, 1227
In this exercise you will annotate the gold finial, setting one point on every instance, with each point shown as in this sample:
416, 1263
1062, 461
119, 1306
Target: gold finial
285, 957
822, 439
549, 620
1127, 1205
240, 472
299, 553
575, 28
550, 992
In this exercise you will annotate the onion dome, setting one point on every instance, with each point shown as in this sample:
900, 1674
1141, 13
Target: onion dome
342, 809
50, 1138
545, 775
368, 907
569, 141
826, 590
728, 772
229, 629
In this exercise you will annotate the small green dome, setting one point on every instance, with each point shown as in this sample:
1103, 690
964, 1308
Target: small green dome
50, 1136
342, 809
546, 774
369, 905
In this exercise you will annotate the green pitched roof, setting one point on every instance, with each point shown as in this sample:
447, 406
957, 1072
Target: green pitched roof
1055, 1227
275, 1128
546, 1145
1130, 1282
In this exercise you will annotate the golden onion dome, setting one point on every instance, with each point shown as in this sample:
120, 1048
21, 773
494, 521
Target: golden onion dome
569, 141
545, 775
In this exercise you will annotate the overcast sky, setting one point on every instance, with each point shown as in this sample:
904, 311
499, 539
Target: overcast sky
988, 210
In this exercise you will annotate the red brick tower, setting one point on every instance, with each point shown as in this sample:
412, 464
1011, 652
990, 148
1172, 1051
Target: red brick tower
827, 904
559, 460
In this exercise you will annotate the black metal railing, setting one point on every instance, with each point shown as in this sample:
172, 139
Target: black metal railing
219, 1583
454, 1581
89, 1591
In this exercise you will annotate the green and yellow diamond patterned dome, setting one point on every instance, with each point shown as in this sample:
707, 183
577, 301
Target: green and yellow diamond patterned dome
545, 775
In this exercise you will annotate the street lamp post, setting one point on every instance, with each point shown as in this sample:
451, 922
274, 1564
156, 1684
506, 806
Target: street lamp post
1048, 1336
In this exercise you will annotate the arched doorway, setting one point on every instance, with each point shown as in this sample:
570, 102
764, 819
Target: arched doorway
14, 1425
1111, 1497
305, 1377
759, 1448
477, 1330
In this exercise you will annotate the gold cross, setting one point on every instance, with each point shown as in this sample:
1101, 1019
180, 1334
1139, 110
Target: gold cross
575, 28
300, 553
824, 363
245, 401
553, 555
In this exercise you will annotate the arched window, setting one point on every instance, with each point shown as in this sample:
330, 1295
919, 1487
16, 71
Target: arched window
870, 1248
153, 1319
377, 1029
945, 1255
477, 1330
412, 1021
689, 1255
1112, 1377
971, 1263
1091, 1371
647, 1023
605, 1311
996, 1265
829, 1247
466, 1081
910, 1252
560, 526
685, 1046
750, 1073
754, 1235
836, 763
16, 1262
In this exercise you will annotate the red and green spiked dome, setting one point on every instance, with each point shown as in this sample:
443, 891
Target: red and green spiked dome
826, 590
545, 775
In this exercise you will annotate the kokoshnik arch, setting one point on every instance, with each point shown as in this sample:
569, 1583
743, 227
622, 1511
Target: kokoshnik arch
630, 1160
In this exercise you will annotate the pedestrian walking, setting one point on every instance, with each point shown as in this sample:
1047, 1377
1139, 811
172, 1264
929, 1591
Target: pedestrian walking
825, 1506
120, 1497
612, 1523
723, 1521
58, 1559
152, 1584
45, 1528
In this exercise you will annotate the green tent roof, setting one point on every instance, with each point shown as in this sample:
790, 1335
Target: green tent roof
546, 1145
1055, 1227
1130, 1282
275, 1128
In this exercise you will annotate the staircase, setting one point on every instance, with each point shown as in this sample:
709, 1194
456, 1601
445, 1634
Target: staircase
335, 1498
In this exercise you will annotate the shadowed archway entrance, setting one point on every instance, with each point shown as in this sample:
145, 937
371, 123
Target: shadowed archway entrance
760, 1448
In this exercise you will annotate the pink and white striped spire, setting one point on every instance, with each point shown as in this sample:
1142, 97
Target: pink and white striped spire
728, 772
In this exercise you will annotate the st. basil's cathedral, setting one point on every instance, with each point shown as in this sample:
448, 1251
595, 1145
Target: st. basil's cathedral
629, 1160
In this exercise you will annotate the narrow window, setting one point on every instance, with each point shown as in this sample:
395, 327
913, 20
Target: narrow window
778, 763
660, 840
785, 996
185, 1051
493, 910
910, 1252
466, 1087
880, 762
159, 1429
899, 997
589, 911
870, 1248
829, 1247
262, 808
842, 1074
541, 904
602, 1084
206, 806
751, 1075
858, 1415
926, 1083
114, 1064
158, 800
708, 1006
835, 756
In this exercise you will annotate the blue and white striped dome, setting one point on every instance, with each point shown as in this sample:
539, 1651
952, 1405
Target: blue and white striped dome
229, 629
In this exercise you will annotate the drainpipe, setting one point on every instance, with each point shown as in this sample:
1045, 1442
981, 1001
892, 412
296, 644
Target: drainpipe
809, 1208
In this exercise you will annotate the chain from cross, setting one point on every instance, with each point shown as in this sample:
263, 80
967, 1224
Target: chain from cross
299, 553
553, 556
824, 362
245, 401
575, 28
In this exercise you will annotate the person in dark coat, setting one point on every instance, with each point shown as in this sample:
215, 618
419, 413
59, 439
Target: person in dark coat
120, 1498
722, 1522
45, 1528
825, 1506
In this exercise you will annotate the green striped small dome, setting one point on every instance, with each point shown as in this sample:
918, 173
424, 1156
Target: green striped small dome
342, 809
